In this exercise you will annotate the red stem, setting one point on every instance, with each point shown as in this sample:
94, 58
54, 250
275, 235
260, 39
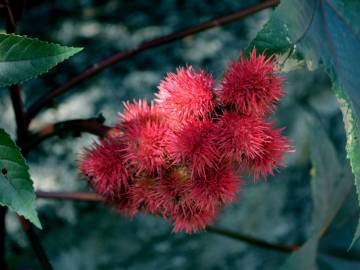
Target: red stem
96, 68
35, 243
15, 94
15, 90
2, 237
20, 117
10, 20
75, 196
93, 197
251, 240
77, 126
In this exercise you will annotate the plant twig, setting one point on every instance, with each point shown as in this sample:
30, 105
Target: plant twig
20, 117
96, 68
2, 237
35, 243
17, 104
10, 28
252, 241
15, 94
93, 197
76, 126
10, 20
15, 90
75, 196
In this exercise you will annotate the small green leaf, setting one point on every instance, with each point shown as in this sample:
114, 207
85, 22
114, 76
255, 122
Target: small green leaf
16, 186
23, 58
285, 26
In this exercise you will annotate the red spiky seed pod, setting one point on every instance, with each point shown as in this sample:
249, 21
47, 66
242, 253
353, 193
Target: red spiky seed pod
104, 164
195, 144
143, 130
242, 136
219, 186
251, 86
190, 217
145, 195
187, 94
274, 149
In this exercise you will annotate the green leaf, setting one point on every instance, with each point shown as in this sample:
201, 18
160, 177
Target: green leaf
331, 183
330, 187
325, 33
325, 179
23, 58
16, 186
284, 28
357, 232
351, 123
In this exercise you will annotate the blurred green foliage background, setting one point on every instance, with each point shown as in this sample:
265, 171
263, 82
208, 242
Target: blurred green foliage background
92, 236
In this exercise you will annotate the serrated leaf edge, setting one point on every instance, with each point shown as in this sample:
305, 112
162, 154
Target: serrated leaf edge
76, 50
37, 222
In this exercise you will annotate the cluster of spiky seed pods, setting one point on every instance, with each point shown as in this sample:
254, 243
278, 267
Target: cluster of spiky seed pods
181, 156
